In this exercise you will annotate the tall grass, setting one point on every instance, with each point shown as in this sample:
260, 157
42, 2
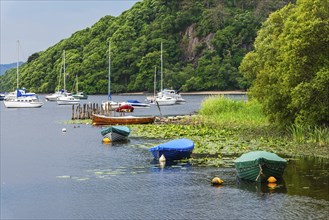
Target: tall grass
308, 134
221, 110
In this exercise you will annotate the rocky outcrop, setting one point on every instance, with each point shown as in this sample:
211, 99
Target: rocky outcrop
194, 46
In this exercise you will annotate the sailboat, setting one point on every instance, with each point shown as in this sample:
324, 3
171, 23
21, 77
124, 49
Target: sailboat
109, 103
58, 93
163, 99
67, 98
21, 98
77, 94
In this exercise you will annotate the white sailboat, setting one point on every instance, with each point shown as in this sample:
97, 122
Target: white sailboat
66, 98
21, 98
58, 93
77, 94
163, 99
109, 104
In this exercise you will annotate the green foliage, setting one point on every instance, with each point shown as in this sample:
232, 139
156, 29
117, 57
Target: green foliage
204, 42
307, 134
221, 110
289, 68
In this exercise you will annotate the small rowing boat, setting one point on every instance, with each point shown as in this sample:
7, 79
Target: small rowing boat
116, 133
121, 120
259, 166
173, 150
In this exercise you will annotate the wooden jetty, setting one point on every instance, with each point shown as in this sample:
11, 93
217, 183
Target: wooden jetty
86, 111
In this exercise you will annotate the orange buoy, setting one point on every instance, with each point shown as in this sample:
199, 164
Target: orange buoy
217, 181
271, 179
272, 185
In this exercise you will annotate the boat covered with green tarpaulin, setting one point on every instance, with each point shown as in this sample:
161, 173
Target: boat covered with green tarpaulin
259, 166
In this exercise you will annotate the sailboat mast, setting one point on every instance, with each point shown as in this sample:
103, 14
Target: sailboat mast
64, 70
17, 65
109, 88
155, 79
161, 70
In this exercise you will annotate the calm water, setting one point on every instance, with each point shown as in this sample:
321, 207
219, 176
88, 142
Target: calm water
47, 174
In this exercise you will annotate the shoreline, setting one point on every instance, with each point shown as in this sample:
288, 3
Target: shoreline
233, 92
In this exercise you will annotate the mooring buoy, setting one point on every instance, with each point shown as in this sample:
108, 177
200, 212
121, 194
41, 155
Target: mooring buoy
271, 179
217, 181
106, 140
162, 158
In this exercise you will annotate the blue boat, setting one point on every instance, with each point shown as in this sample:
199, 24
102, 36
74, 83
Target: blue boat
137, 104
174, 150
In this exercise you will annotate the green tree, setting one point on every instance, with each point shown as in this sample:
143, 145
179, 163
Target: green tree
289, 68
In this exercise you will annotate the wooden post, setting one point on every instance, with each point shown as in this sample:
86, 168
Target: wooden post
73, 112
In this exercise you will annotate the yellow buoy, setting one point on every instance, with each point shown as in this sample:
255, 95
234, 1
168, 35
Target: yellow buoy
106, 140
271, 179
217, 181
94, 124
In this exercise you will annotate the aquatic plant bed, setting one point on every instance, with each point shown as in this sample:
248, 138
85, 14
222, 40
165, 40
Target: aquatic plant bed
219, 145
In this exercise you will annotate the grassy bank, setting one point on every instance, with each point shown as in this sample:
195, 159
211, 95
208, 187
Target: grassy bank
226, 127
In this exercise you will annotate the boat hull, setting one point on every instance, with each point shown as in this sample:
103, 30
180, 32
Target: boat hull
171, 155
80, 96
51, 98
121, 120
115, 137
15, 104
174, 150
260, 168
67, 102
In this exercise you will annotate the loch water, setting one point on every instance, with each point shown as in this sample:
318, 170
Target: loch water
48, 174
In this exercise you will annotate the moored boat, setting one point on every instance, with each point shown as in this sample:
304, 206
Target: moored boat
2, 96
22, 99
173, 150
259, 166
116, 133
67, 100
80, 95
171, 93
165, 100
138, 104
121, 120
55, 96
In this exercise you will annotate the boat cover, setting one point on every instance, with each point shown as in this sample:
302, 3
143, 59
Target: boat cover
123, 130
183, 144
255, 155
133, 101
255, 158
125, 108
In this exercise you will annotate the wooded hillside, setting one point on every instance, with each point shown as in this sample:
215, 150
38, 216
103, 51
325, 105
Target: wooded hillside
204, 42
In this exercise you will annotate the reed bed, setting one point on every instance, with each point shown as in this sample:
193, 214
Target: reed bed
224, 111
303, 134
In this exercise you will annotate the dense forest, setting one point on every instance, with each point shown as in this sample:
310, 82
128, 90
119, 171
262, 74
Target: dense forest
289, 67
204, 42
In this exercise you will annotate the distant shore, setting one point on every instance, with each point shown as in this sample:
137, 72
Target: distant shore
235, 92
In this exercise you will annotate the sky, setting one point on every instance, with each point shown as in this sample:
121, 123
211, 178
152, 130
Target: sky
41, 24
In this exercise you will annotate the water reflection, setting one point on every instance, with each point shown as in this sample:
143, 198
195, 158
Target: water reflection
170, 165
278, 187
308, 176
